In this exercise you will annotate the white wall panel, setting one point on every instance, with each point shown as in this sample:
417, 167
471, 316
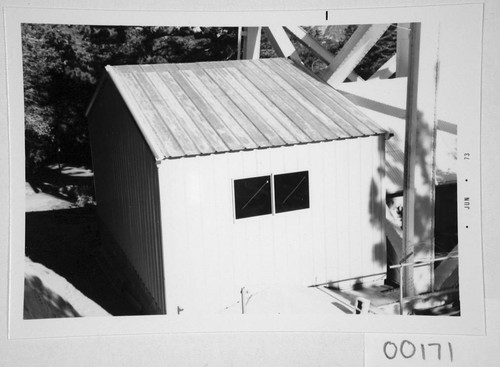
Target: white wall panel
341, 204
210, 256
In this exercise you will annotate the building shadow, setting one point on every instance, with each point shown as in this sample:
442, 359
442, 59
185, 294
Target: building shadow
68, 242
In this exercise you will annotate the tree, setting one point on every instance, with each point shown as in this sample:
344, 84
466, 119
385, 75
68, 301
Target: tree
63, 63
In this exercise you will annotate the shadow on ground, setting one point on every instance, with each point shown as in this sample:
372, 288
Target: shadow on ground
67, 242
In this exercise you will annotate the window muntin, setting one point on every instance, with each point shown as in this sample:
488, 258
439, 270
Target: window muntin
252, 196
291, 191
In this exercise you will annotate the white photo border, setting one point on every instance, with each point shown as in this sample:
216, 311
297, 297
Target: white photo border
471, 321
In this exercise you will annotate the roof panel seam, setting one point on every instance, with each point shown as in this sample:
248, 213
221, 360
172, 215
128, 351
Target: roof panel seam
276, 112
323, 89
322, 104
218, 131
278, 107
250, 117
167, 126
324, 130
182, 125
279, 102
215, 138
229, 114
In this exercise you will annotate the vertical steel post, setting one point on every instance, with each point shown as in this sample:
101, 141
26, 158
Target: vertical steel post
419, 165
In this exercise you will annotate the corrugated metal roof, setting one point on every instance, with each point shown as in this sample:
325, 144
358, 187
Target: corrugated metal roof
215, 107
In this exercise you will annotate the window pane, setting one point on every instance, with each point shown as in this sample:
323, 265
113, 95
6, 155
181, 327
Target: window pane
252, 196
291, 191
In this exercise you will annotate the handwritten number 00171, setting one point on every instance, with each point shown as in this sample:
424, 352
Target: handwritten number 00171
408, 350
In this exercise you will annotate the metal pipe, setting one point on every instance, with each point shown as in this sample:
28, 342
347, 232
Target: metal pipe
422, 263
347, 279
416, 263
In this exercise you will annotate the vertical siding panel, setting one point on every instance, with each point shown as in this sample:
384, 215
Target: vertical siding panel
139, 191
373, 204
337, 240
302, 241
156, 265
156, 205
330, 218
287, 248
291, 247
208, 241
239, 228
294, 220
187, 224
138, 219
264, 255
355, 207
150, 225
181, 243
148, 222
382, 253
124, 173
166, 235
368, 218
206, 246
318, 211
366, 242
156, 260
308, 226
342, 199
280, 236
286, 245
226, 197
170, 235
253, 229
247, 236
304, 220
226, 269
323, 210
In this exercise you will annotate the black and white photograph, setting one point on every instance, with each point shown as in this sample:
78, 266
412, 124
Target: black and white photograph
200, 170
238, 173
255, 184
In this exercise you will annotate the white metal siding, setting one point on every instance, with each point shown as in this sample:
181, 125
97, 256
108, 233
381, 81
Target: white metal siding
126, 179
209, 255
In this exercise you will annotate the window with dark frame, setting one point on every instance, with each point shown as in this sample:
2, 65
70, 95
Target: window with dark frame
252, 197
291, 191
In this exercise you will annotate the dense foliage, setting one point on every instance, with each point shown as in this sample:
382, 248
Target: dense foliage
63, 63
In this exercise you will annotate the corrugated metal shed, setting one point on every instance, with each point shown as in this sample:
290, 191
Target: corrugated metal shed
175, 222
215, 107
